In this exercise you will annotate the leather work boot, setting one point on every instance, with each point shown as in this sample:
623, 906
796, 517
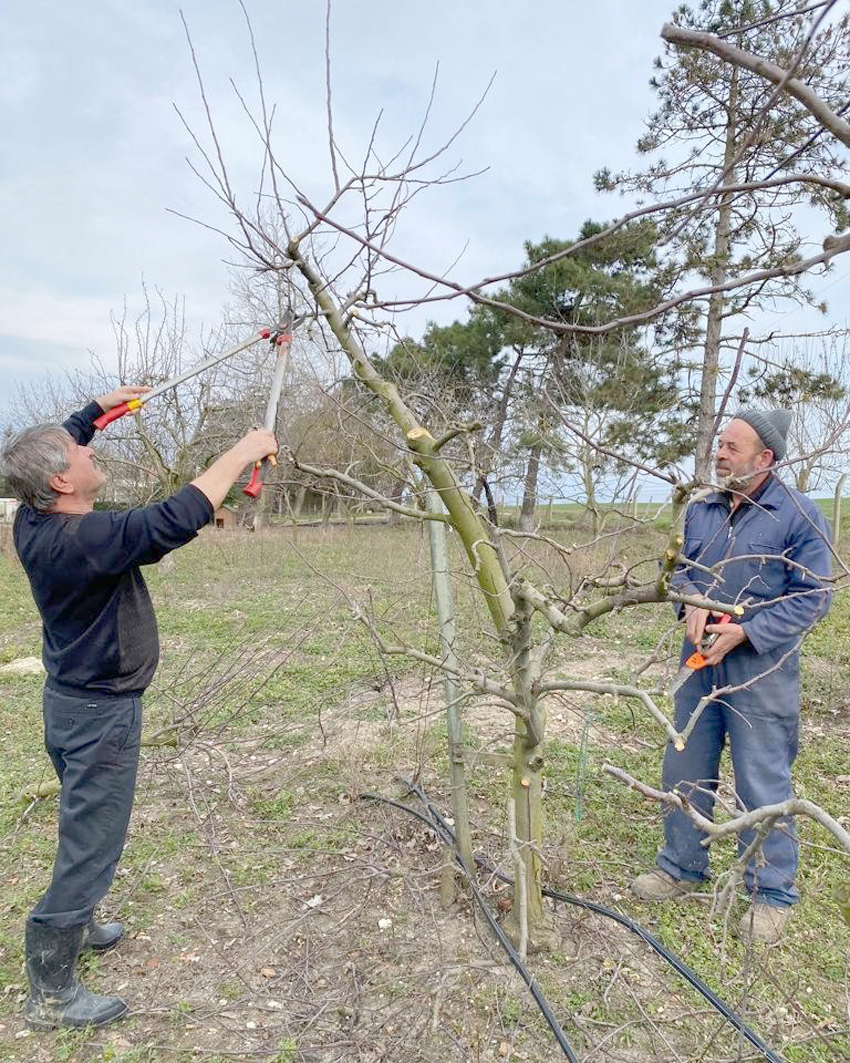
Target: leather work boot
101, 936
764, 923
657, 885
56, 998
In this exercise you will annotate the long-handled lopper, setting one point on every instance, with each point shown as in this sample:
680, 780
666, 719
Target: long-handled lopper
697, 659
134, 404
283, 339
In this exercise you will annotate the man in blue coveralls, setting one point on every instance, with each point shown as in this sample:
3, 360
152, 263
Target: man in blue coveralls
100, 651
765, 546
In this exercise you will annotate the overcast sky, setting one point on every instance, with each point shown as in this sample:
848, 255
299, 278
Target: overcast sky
93, 153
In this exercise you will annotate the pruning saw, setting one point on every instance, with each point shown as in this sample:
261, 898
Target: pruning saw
697, 658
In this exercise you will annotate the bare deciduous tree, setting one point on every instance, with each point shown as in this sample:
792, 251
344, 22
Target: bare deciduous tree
339, 265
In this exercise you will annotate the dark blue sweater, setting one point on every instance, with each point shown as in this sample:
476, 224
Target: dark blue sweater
99, 627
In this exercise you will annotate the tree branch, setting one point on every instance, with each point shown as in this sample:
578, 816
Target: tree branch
707, 42
357, 485
475, 679
602, 687
795, 806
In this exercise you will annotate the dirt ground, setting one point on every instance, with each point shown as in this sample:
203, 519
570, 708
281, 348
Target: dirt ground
275, 914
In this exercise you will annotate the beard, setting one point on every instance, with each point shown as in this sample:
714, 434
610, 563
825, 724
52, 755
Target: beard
732, 480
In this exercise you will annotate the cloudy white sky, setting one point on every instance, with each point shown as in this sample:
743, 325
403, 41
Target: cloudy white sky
93, 153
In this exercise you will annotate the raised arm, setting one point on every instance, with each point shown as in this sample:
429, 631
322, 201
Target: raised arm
81, 424
223, 473
112, 542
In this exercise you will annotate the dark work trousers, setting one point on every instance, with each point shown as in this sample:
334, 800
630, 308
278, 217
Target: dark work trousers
760, 724
94, 745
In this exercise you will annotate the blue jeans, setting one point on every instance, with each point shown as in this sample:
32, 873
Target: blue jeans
94, 745
761, 726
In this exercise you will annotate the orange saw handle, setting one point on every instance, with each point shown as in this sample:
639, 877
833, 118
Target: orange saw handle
696, 659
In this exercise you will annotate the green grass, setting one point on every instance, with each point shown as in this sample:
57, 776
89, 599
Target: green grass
576, 513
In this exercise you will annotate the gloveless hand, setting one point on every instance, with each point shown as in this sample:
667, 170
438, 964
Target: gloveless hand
123, 394
695, 621
257, 444
729, 636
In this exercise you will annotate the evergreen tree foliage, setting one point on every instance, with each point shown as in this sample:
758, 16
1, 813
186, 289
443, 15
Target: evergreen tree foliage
721, 127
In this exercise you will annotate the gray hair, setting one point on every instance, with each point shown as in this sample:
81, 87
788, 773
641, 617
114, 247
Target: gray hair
31, 458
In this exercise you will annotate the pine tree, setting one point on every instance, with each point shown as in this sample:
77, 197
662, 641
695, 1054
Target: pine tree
722, 127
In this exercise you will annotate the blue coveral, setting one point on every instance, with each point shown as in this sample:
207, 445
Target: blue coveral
768, 556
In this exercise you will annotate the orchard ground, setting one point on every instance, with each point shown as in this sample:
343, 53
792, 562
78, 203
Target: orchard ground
274, 914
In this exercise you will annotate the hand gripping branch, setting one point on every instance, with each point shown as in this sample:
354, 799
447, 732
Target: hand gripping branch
134, 404
283, 339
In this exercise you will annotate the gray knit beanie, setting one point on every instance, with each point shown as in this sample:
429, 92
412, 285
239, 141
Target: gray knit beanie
771, 426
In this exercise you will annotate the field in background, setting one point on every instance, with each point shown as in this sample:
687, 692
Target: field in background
274, 914
552, 514
561, 515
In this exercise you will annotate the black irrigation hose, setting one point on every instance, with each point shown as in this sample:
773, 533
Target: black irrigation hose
677, 964
675, 961
446, 835
438, 824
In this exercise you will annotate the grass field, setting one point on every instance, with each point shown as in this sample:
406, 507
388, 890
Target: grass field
273, 914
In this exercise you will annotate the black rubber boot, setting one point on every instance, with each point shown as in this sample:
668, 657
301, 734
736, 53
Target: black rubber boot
56, 998
102, 936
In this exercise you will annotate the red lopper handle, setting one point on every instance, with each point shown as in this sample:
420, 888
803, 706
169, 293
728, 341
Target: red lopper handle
111, 415
256, 483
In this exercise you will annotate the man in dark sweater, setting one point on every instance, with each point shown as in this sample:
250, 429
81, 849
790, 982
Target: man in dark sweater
100, 651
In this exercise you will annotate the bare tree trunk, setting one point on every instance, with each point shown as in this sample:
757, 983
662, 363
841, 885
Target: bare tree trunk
492, 580
528, 509
527, 790
393, 517
494, 443
587, 454
717, 302
836, 510
261, 506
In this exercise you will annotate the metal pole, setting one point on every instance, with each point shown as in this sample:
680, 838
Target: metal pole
134, 404
446, 617
836, 510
